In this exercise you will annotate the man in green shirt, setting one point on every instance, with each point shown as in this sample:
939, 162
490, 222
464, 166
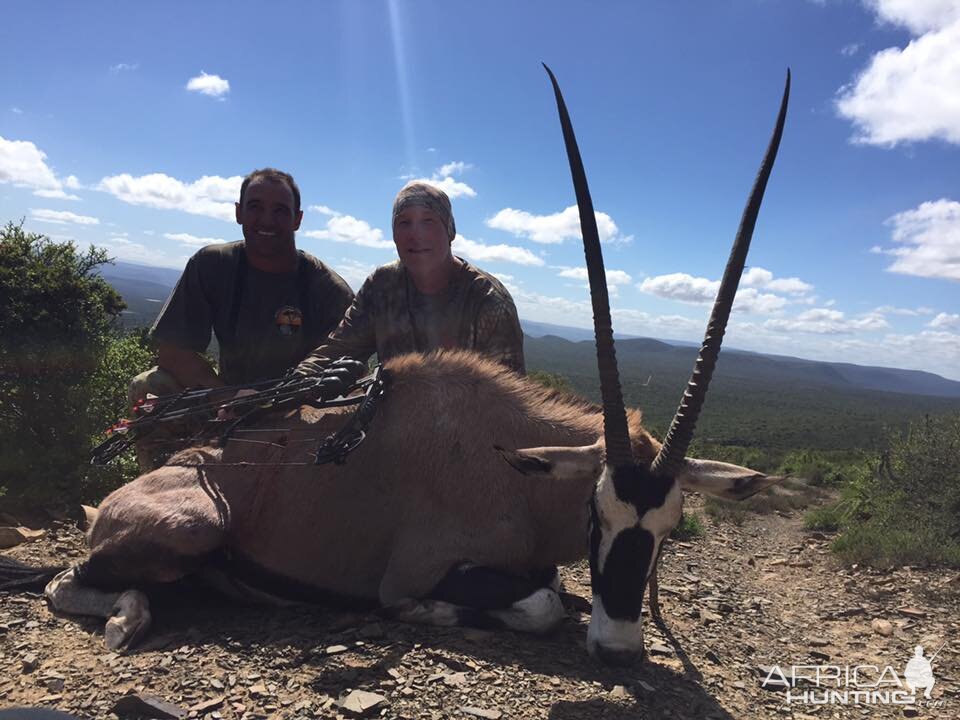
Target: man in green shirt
267, 303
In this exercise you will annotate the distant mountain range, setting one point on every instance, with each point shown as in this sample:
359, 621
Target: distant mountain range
751, 365
143, 288
570, 350
757, 400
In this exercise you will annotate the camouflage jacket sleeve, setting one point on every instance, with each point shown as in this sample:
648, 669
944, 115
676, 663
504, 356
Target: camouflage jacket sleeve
355, 337
498, 333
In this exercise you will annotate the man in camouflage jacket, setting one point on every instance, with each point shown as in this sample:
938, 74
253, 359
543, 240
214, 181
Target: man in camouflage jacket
427, 300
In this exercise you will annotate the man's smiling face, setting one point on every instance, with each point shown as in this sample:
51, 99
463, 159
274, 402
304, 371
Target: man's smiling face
269, 219
421, 239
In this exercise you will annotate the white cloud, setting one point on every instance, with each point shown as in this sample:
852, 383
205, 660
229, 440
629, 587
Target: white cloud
23, 164
751, 300
443, 179
555, 228
908, 94
121, 67
212, 85
55, 194
124, 249
352, 271
453, 168
474, 250
918, 16
702, 291
614, 277
348, 229
949, 321
323, 210
579, 313
72, 182
929, 350
453, 188
758, 277
940, 351
824, 321
557, 310
61, 217
193, 240
682, 287
908, 312
928, 239
211, 195
16, 111
850, 50
637, 322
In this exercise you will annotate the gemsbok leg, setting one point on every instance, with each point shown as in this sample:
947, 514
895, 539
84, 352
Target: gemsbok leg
476, 596
157, 529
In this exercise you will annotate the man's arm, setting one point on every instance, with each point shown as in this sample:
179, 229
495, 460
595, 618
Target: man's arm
182, 330
498, 333
189, 368
355, 337
330, 299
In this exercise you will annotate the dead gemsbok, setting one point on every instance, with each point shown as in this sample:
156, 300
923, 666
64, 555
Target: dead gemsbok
426, 519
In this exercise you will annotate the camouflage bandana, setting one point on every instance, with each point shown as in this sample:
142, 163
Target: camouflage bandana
420, 193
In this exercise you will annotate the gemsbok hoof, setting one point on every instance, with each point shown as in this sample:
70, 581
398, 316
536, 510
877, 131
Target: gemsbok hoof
129, 623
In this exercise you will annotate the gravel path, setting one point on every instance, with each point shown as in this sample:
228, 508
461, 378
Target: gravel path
740, 599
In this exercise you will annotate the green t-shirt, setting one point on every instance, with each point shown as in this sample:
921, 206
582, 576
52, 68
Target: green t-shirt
266, 325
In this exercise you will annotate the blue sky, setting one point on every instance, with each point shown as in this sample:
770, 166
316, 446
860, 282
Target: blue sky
130, 126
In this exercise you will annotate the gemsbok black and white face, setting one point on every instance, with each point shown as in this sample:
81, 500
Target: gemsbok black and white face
631, 514
638, 500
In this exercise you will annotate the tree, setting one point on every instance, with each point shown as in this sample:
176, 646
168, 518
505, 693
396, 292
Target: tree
554, 381
57, 319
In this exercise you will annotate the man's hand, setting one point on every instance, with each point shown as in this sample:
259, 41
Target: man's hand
338, 376
190, 369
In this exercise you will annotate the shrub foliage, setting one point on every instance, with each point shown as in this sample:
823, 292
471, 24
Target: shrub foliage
904, 506
61, 362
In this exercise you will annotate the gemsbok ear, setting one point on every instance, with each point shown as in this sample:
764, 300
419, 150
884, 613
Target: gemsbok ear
722, 479
558, 463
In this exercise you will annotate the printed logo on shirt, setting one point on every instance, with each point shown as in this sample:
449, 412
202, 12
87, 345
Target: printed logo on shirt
289, 319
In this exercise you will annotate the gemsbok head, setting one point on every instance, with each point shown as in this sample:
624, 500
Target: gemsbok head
638, 496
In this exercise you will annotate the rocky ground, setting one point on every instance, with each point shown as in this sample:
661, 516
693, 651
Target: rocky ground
736, 602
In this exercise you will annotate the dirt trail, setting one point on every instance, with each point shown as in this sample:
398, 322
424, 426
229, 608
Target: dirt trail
760, 594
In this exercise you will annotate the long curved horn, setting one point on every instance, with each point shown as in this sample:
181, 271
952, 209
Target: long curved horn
678, 438
615, 430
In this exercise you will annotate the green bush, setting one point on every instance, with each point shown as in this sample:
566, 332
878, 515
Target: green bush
745, 456
127, 355
904, 506
816, 467
688, 527
826, 518
58, 328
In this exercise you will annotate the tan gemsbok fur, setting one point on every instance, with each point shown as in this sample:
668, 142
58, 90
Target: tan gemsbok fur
428, 492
